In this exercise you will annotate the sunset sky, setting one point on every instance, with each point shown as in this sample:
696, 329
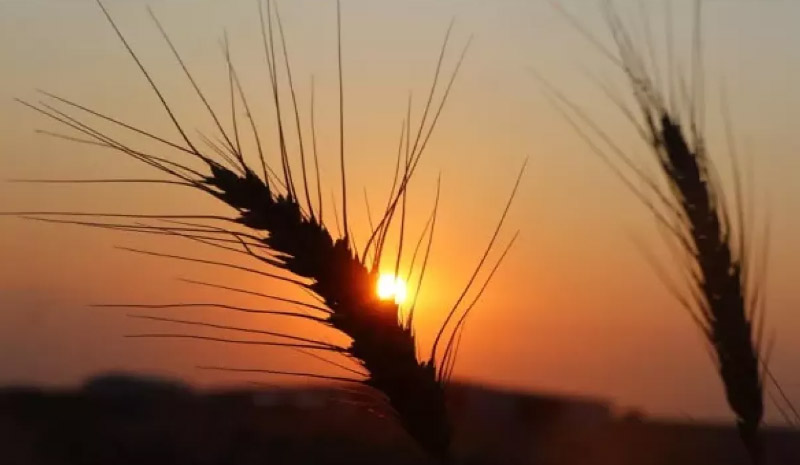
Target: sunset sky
576, 308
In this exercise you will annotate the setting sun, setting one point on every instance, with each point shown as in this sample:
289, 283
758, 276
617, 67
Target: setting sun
391, 288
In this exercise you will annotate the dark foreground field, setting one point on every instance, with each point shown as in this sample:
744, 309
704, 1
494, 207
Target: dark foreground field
120, 420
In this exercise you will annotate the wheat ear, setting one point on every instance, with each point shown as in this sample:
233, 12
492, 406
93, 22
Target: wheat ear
707, 233
277, 228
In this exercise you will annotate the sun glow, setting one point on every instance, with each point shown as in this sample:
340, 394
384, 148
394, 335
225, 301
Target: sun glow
391, 287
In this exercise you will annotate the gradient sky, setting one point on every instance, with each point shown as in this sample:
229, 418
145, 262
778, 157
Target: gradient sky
575, 309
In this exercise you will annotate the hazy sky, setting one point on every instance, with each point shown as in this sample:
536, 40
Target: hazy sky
576, 308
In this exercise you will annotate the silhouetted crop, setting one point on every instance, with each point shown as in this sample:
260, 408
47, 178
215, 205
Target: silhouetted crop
706, 229
278, 224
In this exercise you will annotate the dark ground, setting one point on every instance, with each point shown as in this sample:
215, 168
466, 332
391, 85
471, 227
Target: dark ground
118, 420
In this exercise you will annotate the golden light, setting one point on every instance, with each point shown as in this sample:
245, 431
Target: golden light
391, 287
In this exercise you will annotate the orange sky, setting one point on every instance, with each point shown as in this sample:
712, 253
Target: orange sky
574, 309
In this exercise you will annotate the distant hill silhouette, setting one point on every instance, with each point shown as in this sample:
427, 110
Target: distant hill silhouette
126, 385
126, 419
